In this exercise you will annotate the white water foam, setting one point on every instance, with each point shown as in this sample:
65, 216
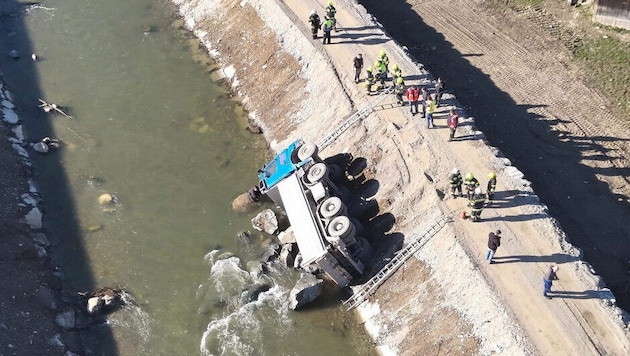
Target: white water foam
239, 330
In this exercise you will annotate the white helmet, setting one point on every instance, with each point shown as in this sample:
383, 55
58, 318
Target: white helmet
477, 190
313, 12
455, 171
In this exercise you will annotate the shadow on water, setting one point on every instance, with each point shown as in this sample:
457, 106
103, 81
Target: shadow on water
552, 160
21, 76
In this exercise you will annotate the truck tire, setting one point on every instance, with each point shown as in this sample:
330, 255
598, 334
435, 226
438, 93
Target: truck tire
341, 227
317, 172
332, 207
308, 150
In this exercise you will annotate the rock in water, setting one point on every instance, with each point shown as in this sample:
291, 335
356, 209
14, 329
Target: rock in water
266, 222
306, 290
243, 203
105, 199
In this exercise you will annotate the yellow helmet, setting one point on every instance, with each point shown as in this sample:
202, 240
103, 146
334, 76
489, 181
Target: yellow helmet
383, 54
395, 67
378, 63
399, 80
370, 68
492, 175
469, 176
330, 3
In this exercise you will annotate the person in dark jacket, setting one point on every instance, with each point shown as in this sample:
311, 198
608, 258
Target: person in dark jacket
494, 241
358, 65
315, 22
476, 205
455, 181
548, 279
453, 122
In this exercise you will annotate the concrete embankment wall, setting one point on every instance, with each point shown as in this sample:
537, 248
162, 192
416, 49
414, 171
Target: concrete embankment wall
292, 90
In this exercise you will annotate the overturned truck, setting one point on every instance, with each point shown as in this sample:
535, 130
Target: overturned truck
302, 184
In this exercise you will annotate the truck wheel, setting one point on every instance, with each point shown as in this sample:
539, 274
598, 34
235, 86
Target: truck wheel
331, 207
306, 151
340, 226
316, 173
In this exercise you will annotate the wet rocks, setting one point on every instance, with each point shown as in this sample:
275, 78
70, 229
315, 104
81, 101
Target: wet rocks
306, 290
103, 301
244, 203
266, 222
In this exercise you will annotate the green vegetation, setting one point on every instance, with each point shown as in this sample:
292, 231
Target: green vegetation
607, 62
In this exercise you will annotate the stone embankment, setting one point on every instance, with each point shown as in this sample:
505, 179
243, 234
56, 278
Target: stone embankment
445, 300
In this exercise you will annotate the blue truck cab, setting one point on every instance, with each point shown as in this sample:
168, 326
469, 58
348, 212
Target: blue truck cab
283, 165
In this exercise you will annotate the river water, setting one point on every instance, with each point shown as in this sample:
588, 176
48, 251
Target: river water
152, 126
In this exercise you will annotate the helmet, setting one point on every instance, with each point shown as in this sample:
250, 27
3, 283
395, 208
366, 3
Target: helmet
492, 175
477, 190
382, 54
330, 3
455, 171
378, 63
313, 12
370, 68
399, 80
469, 176
395, 67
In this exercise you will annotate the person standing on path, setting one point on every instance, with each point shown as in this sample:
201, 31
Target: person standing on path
430, 109
330, 14
548, 279
424, 93
476, 205
385, 60
492, 186
399, 89
327, 27
412, 97
456, 183
471, 184
453, 122
370, 79
396, 72
439, 87
315, 22
494, 241
358, 66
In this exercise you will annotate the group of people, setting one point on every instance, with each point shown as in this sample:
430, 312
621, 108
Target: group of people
327, 26
476, 199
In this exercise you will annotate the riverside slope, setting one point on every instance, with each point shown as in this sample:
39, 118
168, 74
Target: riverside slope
448, 299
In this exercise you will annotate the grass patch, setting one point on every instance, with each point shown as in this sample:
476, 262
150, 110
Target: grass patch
607, 61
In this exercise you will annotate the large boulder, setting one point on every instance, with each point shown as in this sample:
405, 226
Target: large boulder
266, 221
306, 290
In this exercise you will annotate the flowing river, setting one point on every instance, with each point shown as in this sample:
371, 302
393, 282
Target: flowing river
151, 125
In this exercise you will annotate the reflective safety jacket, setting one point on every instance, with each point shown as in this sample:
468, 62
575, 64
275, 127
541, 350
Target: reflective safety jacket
471, 184
413, 95
330, 11
492, 185
314, 20
456, 180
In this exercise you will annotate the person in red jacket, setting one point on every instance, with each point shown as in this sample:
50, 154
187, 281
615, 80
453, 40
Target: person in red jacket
453, 121
412, 96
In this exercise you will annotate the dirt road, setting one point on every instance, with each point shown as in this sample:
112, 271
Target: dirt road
450, 300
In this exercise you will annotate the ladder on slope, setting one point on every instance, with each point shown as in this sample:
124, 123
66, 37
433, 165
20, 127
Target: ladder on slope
366, 290
361, 114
